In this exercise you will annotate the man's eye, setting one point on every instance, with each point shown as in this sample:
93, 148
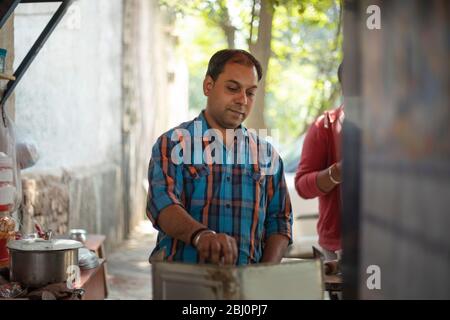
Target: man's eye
233, 89
251, 94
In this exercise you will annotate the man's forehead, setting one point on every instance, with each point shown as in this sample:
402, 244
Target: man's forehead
242, 73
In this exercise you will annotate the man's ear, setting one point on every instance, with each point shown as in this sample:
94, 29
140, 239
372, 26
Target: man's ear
208, 84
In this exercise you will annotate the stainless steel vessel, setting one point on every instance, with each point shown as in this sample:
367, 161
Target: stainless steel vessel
36, 262
78, 235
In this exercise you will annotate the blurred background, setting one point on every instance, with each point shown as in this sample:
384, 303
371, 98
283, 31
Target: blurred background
115, 74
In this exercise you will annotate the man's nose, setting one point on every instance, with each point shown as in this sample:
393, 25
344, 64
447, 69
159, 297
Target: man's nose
242, 98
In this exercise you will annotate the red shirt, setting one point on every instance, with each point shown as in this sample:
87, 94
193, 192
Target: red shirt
322, 148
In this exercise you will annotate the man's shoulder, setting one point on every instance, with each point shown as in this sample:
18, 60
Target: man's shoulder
324, 121
179, 130
334, 114
268, 153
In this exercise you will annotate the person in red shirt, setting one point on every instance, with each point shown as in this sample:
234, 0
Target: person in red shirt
319, 175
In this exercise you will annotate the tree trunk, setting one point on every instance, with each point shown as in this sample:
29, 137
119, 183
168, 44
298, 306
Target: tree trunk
227, 27
229, 32
261, 50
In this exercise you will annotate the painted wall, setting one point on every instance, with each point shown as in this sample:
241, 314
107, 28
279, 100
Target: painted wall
70, 105
104, 86
69, 102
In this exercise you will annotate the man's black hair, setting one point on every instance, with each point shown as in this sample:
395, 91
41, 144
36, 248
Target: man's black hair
220, 58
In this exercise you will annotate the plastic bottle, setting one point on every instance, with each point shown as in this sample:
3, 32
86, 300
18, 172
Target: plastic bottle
2, 60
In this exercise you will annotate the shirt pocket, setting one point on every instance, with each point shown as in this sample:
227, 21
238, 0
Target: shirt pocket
253, 179
195, 180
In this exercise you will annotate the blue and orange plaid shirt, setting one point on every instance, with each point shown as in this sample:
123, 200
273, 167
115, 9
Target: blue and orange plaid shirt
235, 197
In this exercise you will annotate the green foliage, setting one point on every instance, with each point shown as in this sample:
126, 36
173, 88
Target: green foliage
306, 51
199, 42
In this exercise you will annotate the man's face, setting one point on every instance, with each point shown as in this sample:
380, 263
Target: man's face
231, 96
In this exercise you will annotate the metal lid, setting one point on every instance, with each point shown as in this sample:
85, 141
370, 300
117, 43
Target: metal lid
44, 245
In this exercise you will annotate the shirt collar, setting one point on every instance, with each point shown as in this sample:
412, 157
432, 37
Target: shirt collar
336, 114
205, 125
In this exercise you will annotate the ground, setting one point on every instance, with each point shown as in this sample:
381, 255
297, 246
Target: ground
129, 272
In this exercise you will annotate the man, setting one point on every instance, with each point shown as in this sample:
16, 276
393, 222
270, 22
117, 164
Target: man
219, 211
319, 175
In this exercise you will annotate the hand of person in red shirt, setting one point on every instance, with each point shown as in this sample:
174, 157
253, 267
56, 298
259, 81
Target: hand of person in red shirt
331, 267
324, 178
337, 172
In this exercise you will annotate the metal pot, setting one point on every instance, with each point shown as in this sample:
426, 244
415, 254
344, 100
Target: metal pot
37, 262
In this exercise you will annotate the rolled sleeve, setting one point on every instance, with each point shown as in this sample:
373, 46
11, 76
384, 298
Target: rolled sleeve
279, 212
306, 185
165, 181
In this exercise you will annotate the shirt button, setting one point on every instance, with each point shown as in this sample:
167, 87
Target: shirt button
228, 206
228, 178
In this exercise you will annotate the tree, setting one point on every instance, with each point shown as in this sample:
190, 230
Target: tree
261, 49
297, 42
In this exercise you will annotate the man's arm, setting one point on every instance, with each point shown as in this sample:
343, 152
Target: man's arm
166, 212
312, 178
278, 224
177, 223
324, 181
275, 248
216, 248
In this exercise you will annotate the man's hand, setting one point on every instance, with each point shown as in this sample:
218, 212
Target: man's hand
217, 248
324, 182
331, 267
337, 171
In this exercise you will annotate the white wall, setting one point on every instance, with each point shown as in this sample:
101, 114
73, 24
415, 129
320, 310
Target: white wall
94, 101
69, 101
